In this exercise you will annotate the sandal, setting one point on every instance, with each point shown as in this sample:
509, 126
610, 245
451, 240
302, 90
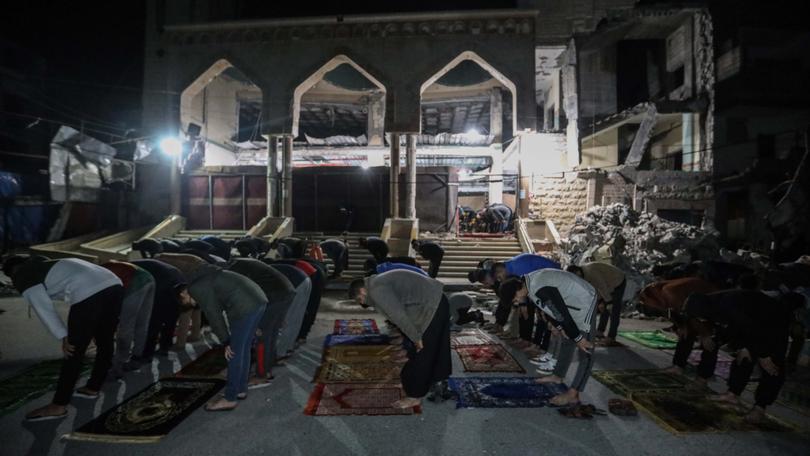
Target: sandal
622, 407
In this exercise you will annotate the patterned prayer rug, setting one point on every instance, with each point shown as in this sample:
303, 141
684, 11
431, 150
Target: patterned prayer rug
689, 412
208, 365
626, 382
651, 339
32, 383
356, 327
332, 399
470, 336
502, 392
351, 354
723, 366
377, 372
488, 358
149, 415
365, 339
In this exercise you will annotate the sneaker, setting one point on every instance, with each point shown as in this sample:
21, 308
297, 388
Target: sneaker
545, 357
544, 372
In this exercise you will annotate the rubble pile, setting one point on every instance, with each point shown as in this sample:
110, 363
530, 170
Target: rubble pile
636, 242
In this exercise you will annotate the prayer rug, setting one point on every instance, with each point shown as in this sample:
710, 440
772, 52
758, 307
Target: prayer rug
722, 368
626, 382
365, 339
151, 414
333, 399
208, 365
651, 339
377, 372
351, 354
502, 392
31, 383
471, 336
795, 393
488, 358
690, 412
356, 327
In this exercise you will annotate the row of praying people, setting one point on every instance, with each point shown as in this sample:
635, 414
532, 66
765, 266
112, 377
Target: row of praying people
133, 309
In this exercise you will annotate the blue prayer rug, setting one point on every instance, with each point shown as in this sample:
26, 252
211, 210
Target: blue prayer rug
350, 339
502, 392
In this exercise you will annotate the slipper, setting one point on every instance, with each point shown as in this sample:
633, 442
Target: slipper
575, 412
622, 407
260, 385
82, 395
221, 409
46, 417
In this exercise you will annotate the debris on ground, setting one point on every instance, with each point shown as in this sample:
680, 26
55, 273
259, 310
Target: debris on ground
636, 241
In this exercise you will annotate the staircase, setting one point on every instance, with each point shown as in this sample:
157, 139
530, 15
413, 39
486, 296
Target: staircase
225, 235
357, 254
462, 255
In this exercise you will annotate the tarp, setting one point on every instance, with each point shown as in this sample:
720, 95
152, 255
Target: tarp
81, 166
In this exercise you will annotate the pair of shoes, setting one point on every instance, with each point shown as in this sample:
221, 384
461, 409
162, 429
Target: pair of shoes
546, 357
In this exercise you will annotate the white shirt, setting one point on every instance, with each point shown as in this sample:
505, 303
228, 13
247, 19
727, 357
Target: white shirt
70, 280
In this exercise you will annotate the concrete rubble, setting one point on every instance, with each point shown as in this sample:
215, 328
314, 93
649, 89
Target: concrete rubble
635, 241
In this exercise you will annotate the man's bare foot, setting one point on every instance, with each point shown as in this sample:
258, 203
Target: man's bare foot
221, 405
407, 402
567, 398
727, 397
48, 412
548, 379
755, 416
675, 370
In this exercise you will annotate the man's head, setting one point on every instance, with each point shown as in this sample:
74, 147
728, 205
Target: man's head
513, 290
246, 247
184, 299
148, 247
499, 271
357, 291
12, 264
482, 276
415, 243
575, 270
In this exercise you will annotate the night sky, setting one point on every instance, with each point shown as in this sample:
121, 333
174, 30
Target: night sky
85, 58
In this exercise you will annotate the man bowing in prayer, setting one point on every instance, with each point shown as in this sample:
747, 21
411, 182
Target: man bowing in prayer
418, 307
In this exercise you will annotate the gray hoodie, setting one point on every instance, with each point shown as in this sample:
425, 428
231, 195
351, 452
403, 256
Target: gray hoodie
407, 298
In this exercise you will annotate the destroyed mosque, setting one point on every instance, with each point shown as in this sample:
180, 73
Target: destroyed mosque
569, 113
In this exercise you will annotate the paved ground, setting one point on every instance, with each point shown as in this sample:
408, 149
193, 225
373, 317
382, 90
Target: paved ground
271, 420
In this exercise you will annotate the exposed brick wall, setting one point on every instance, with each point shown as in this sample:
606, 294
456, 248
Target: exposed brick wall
559, 199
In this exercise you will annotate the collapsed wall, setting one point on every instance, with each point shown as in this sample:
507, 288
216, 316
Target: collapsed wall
636, 241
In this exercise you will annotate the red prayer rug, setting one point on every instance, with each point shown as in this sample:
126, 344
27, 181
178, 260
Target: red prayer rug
329, 399
472, 336
488, 358
356, 327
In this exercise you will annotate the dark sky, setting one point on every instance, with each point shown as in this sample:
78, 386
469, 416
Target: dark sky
85, 57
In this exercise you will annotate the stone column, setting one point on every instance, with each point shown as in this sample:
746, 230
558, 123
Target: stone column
496, 115
394, 176
410, 207
175, 186
286, 179
272, 176
496, 175
376, 119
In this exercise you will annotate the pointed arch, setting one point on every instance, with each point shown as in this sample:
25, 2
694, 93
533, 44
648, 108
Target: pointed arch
317, 76
500, 77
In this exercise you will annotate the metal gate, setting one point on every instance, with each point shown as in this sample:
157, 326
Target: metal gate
224, 201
